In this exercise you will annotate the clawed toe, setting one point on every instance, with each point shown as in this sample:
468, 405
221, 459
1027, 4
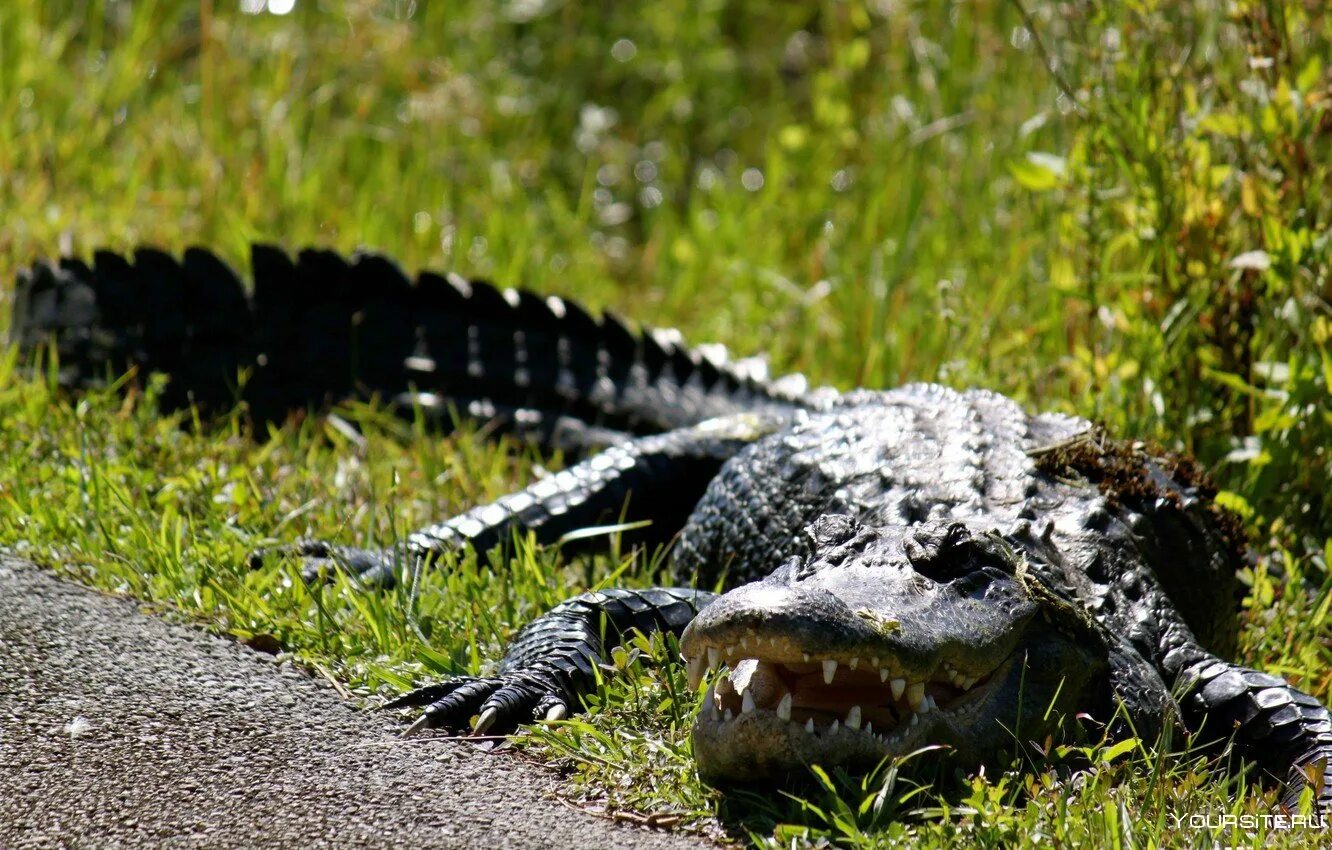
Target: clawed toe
499, 705
320, 561
426, 695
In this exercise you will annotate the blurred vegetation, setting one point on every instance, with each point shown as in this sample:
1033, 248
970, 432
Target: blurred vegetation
1117, 210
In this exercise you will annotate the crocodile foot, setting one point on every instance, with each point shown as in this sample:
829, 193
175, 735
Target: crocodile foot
499, 703
320, 560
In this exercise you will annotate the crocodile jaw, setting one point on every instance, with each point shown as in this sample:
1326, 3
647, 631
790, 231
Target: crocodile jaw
880, 642
762, 720
1050, 676
741, 737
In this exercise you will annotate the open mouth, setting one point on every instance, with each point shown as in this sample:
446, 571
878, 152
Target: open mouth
871, 697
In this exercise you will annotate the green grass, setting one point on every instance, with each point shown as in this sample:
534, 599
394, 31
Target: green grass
871, 192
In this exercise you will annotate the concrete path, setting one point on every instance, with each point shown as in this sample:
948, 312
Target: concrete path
118, 729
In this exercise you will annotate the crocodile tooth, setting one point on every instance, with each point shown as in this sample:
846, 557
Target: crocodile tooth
829, 670
869, 729
730, 651
915, 718
744, 642
883, 674
747, 702
809, 726
967, 682
926, 704
784, 707
898, 686
805, 656
915, 695
694, 671
710, 700
832, 729
854, 662
728, 715
875, 661
853, 717
714, 655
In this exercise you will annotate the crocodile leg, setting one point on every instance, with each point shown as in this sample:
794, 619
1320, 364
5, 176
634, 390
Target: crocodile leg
551, 663
665, 474
1284, 731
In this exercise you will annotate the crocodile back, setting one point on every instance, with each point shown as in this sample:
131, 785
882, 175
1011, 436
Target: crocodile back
926, 452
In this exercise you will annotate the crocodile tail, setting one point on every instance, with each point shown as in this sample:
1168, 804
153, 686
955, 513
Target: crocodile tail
321, 327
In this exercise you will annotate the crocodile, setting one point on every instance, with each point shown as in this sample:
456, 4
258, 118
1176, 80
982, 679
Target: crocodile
894, 569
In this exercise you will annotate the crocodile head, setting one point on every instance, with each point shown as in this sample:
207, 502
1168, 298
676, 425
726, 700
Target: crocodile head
879, 642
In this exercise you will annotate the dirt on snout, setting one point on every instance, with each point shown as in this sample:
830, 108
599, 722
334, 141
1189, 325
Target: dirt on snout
118, 729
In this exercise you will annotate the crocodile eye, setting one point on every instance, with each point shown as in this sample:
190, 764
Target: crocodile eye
936, 551
984, 581
946, 553
946, 568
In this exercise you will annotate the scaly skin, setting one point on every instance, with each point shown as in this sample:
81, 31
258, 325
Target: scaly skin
903, 568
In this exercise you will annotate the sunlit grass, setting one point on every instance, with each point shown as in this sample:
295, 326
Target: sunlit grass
871, 192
